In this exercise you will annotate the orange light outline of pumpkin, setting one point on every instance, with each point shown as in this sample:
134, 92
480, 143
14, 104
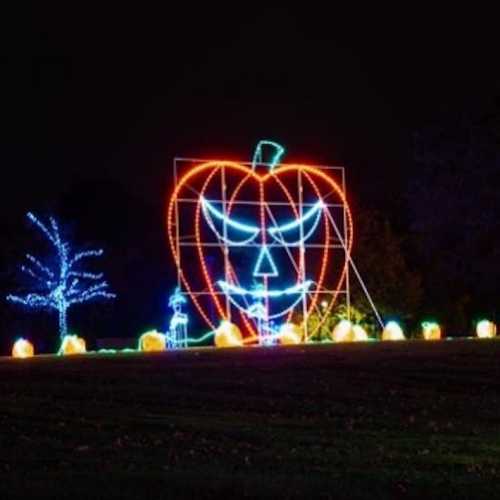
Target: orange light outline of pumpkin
260, 179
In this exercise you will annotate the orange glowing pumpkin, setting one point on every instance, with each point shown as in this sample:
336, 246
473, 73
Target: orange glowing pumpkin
290, 334
152, 341
23, 348
72, 344
228, 335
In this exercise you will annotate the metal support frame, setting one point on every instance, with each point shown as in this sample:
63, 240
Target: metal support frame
337, 241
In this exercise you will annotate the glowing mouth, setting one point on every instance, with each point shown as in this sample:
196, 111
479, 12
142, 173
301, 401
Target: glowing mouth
299, 288
257, 309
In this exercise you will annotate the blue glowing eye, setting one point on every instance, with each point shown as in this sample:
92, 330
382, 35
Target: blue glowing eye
220, 224
312, 217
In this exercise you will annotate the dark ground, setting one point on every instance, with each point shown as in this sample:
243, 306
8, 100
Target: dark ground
376, 420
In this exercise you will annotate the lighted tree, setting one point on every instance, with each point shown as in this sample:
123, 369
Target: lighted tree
61, 283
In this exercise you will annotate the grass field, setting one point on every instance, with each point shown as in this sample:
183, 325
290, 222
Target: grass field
371, 420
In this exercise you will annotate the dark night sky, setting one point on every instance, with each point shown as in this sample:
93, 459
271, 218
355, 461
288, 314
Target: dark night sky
98, 102
121, 92
332, 88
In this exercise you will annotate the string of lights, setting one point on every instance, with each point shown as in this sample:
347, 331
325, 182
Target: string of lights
60, 285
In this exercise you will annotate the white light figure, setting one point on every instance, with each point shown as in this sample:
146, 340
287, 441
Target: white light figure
177, 335
259, 312
61, 284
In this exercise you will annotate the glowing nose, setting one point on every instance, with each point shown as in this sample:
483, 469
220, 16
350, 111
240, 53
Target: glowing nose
265, 265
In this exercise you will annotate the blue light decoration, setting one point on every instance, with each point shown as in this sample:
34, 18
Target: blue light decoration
314, 214
177, 336
262, 293
209, 211
265, 265
62, 284
279, 151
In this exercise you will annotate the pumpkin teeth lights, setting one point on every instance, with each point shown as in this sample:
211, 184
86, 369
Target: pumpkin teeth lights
263, 239
22, 348
486, 329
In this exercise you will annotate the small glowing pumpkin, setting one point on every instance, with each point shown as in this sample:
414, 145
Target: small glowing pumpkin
72, 344
342, 331
345, 331
359, 334
152, 341
228, 335
486, 329
431, 331
392, 331
290, 334
23, 348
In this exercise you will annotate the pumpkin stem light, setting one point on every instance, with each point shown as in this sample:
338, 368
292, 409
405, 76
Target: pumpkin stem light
279, 151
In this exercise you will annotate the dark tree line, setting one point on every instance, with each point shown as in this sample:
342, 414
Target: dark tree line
454, 218
443, 262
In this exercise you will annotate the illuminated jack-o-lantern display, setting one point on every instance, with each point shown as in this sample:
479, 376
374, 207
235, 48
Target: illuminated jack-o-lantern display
228, 335
431, 330
23, 348
256, 243
486, 329
392, 331
152, 341
72, 344
290, 334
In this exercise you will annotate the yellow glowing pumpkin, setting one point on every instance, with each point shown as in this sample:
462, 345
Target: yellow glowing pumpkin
486, 329
342, 331
359, 334
290, 334
392, 331
152, 341
22, 348
431, 331
228, 335
345, 331
72, 344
